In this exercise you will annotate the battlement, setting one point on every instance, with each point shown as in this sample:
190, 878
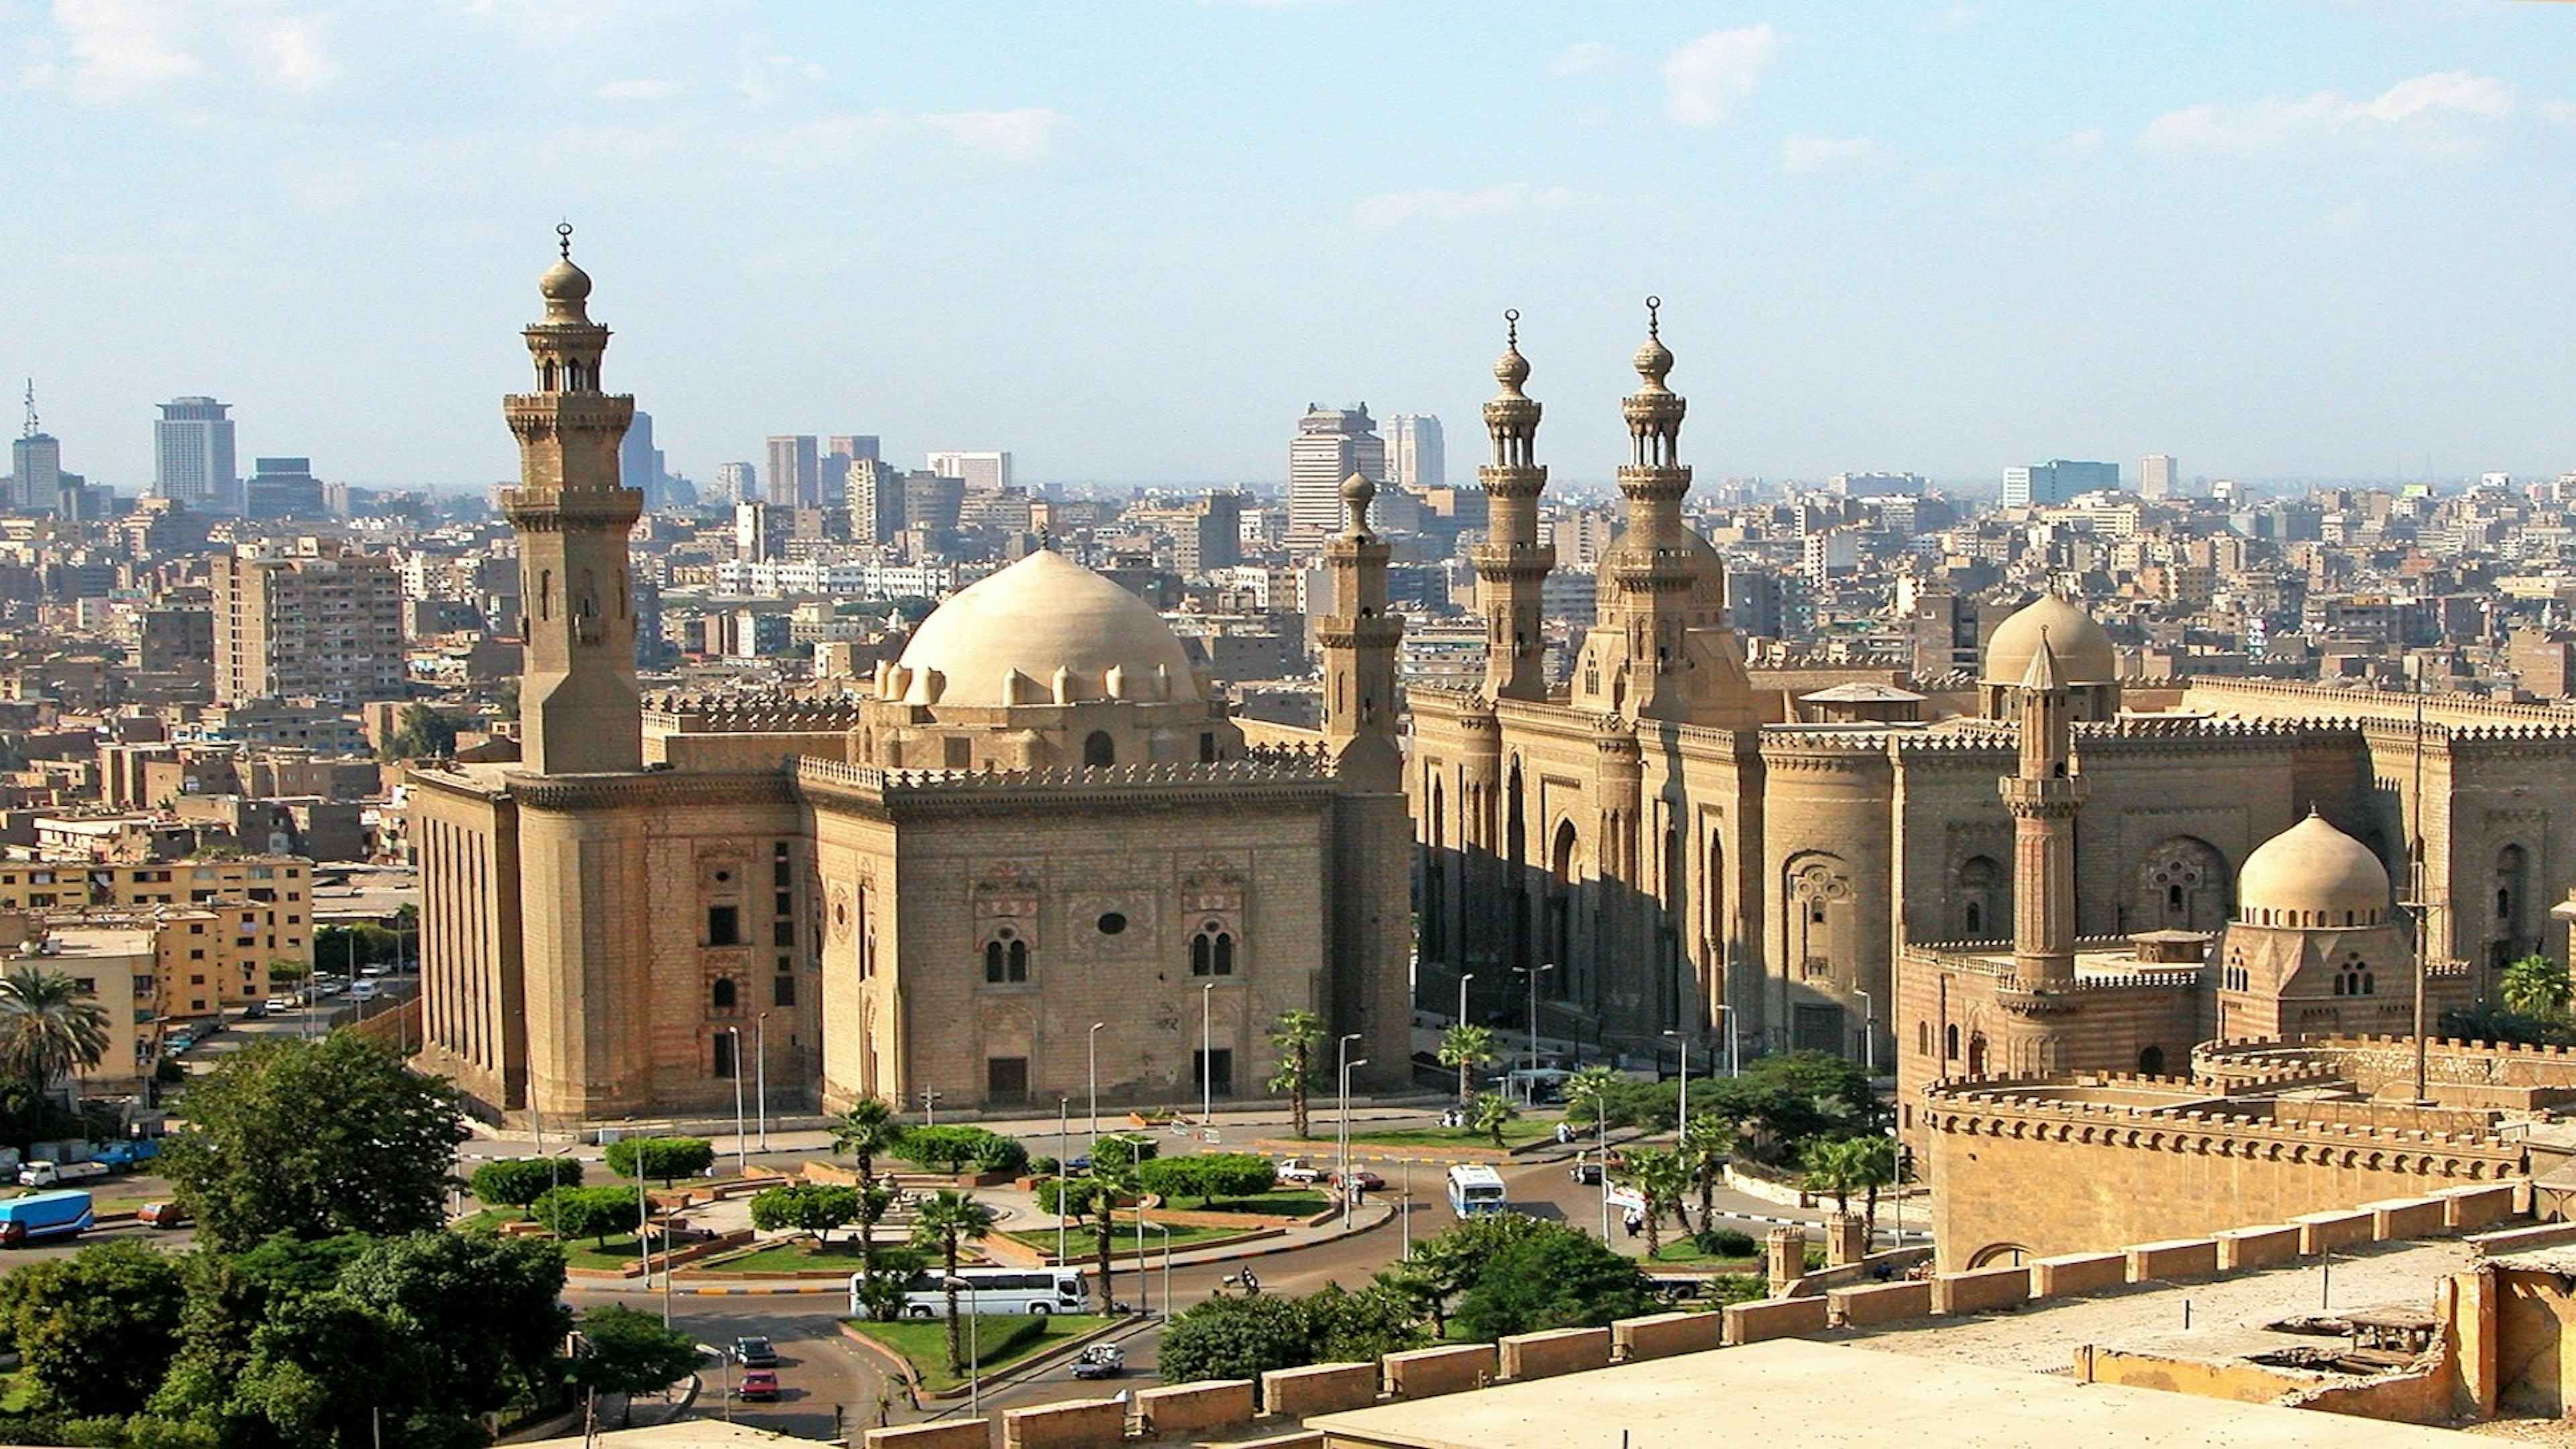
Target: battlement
2449, 711
2186, 1121
1284, 764
767, 713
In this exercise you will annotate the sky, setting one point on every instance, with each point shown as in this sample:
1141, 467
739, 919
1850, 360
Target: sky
1131, 240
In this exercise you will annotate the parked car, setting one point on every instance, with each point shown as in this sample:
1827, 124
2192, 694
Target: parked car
378, 969
1368, 1181
284, 1003
1101, 1361
1586, 1173
754, 1350
362, 991
255, 1011
1299, 1171
758, 1386
161, 1215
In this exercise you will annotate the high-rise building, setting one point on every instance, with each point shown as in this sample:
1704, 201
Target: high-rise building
641, 466
37, 482
1876, 485
857, 447
737, 483
2056, 481
2157, 478
982, 472
282, 488
1414, 453
873, 492
795, 472
192, 452
319, 622
1214, 539
1331, 444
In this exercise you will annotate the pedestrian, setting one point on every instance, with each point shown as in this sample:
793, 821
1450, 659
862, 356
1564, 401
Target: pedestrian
1634, 1222
1564, 1134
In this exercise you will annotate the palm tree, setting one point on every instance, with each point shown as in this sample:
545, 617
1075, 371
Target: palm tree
1586, 1090
48, 1027
865, 1131
1841, 1166
944, 1223
2536, 987
1705, 1147
1296, 1034
1494, 1112
1114, 1172
1466, 1047
1660, 1179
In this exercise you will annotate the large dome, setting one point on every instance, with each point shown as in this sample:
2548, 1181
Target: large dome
1042, 614
2312, 875
2084, 652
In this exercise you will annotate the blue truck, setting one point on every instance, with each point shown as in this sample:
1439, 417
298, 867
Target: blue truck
45, 1215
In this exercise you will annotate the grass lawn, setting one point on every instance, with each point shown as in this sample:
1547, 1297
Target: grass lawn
1081, 1241
1293, 1203
1683, 1253
490, 1218
792, 1255
1004, 1339
584, 1253
1515, 1132
100, 1202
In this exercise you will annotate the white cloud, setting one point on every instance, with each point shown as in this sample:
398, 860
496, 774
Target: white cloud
1956, 17
640, 90
122, 48
1587, 57
183, 52
296, 59
1390, 210
1026, 133
1810, 155
2082, 143
1707, 80
2438, 114
2558, 112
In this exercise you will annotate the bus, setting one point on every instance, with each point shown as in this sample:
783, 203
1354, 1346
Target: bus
1475, 1189
990, 1290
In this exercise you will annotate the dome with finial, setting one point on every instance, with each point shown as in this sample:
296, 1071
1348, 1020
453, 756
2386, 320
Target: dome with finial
565, 286
1511, 369
1357, 494
2312, 875
1654, 360
2083, 652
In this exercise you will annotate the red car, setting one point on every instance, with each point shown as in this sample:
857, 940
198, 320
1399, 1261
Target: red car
757, 1386
1365, 1178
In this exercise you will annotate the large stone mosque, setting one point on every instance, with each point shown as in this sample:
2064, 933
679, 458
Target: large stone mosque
1040, 843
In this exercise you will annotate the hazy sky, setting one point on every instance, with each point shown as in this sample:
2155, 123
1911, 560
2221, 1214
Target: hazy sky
1132, 239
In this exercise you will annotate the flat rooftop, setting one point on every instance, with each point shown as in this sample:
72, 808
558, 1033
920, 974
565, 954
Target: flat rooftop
1793, 1391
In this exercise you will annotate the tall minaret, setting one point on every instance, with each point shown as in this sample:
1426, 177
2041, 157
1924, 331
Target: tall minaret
1359, 639
1512, 564
2043, 796
579, 712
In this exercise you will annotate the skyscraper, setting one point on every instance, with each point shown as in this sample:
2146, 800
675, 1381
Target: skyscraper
1331, 444
321, 622
2157, 477
982, 472
2056, 481
795, 472
857, 447
737, 483
873, 492
640, 464
192, 452
282, 488
1414, 452
36, 480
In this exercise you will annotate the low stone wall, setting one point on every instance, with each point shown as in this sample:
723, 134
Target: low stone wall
960, 1434
1559, 1351
1881, 1303
1080, 1424
1981, 1290
1324, 1388
2173, 1262
2396, 1219
2476, 1207
1770, 1318
1666, 1334
677, 1257
1424, 1372
2262, 1247
1192, 1408
2325, 1232
2077, 1273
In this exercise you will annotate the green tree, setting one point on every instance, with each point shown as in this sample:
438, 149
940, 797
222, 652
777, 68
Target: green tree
1841, 1166
1588, 1093
1493, 1112
2536, 987
627, 1352
588, 1212
1706, 1146
665, 1159
48, 1027
1447, 1264
1563, 1279
1466, 1048
1117, 1170
1660, 1178
1208, 1176
314, 1138
517, 1181
1231, 1337
868, 1131
96, 1331
419, 733
945, 1224
1295, 1035
482, 1315
1360, 1324
815, 1208
954, 1149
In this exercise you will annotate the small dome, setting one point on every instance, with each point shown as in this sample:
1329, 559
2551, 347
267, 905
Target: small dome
564, 282
1654, 360
2084, 652
1042, 614
2312, 875
1357, 494
1511, 369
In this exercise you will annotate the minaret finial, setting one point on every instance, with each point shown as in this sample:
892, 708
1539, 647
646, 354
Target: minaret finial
1511, 326
563, 239
1654, 322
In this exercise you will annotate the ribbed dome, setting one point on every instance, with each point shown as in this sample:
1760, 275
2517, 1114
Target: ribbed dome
2312, 875
2084, 652
1042, 614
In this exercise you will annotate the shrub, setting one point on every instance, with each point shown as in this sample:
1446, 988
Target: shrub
587, 1212
1210, 1175
815, 1208
997, 1153
954, 1149
1045, 1166
1725, 1243
665, 1159
517, 1181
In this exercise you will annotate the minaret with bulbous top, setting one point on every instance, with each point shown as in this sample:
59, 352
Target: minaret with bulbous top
1358, 639
2043, 796
1512, 564
579, 710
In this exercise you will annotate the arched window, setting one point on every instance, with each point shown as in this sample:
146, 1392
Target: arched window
1950, 1042
1006, 959
1977, 1055
1212, 950
720, 997
1923, 1038
2151, 1062
1976, 918
993, 962
1099, 749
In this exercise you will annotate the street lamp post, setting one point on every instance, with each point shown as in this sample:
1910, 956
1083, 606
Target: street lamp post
1726, 1016
1681, 1113
930, 1108
1463, 979
1166, 1232
1532, 972
1601, 1151
741, 1146
1095, 1091
1868, 1032
760, 1049
1063, 1174
1343, 1049
1207, 1056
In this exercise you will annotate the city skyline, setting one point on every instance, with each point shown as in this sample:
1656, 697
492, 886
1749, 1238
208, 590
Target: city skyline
2304, 241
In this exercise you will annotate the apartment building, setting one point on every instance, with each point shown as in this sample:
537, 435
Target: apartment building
320, 623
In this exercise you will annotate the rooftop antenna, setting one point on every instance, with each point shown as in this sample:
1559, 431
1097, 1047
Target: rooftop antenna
31, 409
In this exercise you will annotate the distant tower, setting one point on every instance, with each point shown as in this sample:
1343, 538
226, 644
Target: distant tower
1416, 456
1331, 444
1359, 639
579, 712
37, 482
1512, 565
2043, 796
192, 452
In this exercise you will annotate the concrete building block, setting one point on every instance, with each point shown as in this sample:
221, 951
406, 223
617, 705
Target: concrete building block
1324, 1388
2476, 1207
2507, 1241
1557, 1351
1079, 1424
1662, 1335
2395, 1220
2240, 1249
1422, 1372
1216, 1404
1980, 1289
2173, 1260
1770, 1318
2324, 1232
1874, 1303
2072, 1273
958, 1434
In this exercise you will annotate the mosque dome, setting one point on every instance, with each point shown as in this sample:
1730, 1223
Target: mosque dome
2312, 875
1043, 614
2083, 650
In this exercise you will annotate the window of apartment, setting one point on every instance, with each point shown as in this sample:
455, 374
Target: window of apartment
724, 928
85, 985
782, 991
196, 980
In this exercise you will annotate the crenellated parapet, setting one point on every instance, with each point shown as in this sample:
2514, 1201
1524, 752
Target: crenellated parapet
766, 713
